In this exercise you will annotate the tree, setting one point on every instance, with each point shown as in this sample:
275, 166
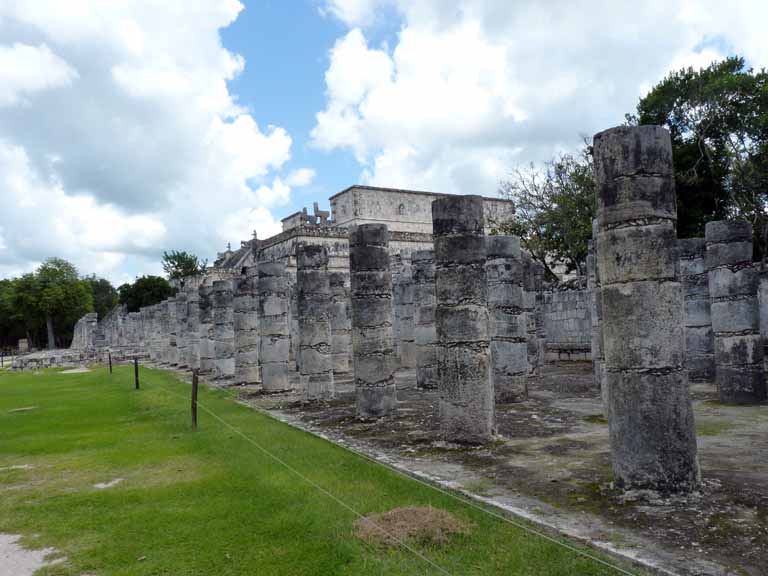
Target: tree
104, 295
145, 291
62, 297
182, 264
554, 208
718, 121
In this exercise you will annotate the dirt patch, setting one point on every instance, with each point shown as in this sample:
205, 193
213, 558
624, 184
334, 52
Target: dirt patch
76, 370
413, 525
18, 561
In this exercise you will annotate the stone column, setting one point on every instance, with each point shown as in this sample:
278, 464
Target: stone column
425, 332
246, 325
403, 309
372, 340
529, 310
733, 285
341, 324
596, 313
181, 329
314, 309
539, 275
223, 330
762, 297
207, 349
508, 327
650, 416
699, 341
273, 326
461, 316
171, 353
193, 329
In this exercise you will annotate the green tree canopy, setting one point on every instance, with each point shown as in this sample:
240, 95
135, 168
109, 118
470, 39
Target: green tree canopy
554, 207
62, 296
145, 291
178, 264
105, 296
718, 121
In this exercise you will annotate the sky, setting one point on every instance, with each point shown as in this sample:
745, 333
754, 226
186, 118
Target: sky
130, 127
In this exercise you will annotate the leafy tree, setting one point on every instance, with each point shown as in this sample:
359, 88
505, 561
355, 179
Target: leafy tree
554, 208
145, 291
105, 296
62, 297
178, 264
718, 121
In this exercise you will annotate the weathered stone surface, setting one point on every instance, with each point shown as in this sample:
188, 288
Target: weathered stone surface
372, 334
508, 328
650, 416
274, 340
596, 313
735, 312
529, 312
466, 389
246, 328
403, 306
314, 315
341, 323
223, 330
425, 332
207, 355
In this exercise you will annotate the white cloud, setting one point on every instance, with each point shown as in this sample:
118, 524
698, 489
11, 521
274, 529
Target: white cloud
119, 137
300, 177
26, 69
472, 87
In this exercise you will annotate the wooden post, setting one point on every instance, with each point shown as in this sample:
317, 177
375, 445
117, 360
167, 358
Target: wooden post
136, 372
110, 361
194, 398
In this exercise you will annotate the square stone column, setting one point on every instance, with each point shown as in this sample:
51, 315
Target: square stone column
274, 331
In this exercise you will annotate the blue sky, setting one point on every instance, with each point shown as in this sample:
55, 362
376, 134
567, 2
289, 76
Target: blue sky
127, 129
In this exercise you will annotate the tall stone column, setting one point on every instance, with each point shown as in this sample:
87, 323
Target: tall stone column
193, 329
314, 308
596, 317
539, 276
171, 353
461, 316
207, 348
181, 329
372, 339
425, 332
529, 309
650, 416
341, 324
762, 296
699, 341
246, 325
274, 330
403, 309
733, 286
223, 330
508, 326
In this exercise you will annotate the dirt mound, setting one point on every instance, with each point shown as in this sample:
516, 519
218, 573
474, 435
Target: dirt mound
419, 525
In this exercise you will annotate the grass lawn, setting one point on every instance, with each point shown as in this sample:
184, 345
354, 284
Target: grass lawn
208, 502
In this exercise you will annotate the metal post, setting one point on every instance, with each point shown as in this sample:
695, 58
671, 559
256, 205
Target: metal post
110, 361
136, 372
194, 398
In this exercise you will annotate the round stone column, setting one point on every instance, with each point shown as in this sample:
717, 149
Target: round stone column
207, 351
425, 333
529, 310
699, 341
508, 327
341, 326
733, 287
223, 330
650, 416
274, 331
314, 310
181, 329
372, 339
461, 317
246, 325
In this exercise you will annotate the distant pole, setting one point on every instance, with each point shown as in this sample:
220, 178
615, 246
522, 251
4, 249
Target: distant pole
2, 359
194, 398
110, 361
136, 372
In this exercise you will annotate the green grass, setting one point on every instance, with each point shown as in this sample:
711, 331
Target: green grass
208, 502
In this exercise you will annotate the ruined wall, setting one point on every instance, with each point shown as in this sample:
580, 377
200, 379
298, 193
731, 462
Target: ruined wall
568, 324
